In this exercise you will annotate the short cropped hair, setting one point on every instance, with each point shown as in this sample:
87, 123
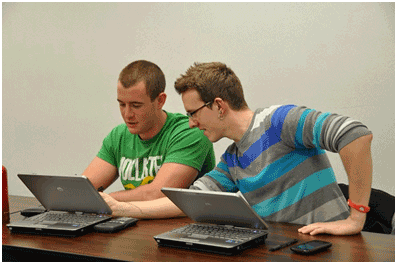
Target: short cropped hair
146, 71
212, 80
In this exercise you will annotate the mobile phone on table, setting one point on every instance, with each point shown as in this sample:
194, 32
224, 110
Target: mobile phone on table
274, 242
115, 224
311, 247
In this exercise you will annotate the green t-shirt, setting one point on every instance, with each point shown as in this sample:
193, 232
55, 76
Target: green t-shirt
138, 161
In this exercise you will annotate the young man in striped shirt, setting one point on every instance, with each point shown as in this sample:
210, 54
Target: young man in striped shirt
277, 161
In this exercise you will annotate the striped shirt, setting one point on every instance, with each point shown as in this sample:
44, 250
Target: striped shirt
281, 167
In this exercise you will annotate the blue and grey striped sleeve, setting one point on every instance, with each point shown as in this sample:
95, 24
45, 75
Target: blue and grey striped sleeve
218, 179
308, 128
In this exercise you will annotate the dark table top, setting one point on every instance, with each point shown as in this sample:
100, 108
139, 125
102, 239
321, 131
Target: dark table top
137, 244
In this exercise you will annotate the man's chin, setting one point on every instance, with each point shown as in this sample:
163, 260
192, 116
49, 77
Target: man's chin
210, 138
214, 140
133, 130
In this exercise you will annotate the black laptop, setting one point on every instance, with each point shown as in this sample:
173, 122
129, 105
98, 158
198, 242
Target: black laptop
73, 206
224, 222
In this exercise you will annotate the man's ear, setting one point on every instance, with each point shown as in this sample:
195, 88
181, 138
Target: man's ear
161, 100
221, 105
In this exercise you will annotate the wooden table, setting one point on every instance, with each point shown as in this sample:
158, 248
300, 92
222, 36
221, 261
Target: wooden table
137, 244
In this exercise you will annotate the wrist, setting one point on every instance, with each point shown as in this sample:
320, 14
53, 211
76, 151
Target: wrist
121, 209
359, 207
131, 209
358, 217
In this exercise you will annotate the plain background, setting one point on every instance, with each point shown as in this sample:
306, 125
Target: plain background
61, 62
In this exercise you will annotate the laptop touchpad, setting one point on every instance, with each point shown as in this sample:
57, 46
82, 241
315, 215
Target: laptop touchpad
198, 236
48, 222
57, 224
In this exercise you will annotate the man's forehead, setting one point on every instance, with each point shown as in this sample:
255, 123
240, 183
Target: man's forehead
191, 96
134, 93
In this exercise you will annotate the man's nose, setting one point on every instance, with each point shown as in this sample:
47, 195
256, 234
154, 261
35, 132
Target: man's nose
128, 112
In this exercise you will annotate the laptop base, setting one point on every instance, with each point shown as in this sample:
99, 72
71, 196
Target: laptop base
63, 233
212, 249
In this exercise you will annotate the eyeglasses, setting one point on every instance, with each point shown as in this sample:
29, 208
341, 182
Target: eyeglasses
190, 114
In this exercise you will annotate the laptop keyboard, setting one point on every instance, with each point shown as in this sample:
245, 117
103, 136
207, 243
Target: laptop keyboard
222, 232
67, 218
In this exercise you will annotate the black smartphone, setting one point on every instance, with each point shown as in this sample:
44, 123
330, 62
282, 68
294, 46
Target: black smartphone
311, 247
275, 242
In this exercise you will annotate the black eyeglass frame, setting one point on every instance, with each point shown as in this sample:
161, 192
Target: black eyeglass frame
190, 114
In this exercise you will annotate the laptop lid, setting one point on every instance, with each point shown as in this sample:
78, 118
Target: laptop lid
220, 208
66, 193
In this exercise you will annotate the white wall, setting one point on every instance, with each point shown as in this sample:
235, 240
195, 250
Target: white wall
61, 62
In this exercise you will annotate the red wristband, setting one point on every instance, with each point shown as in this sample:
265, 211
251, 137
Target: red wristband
358, 207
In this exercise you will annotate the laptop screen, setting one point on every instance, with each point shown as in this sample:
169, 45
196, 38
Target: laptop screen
220, 208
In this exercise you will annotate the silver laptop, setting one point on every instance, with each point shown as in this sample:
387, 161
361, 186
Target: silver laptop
224, 222
72, 206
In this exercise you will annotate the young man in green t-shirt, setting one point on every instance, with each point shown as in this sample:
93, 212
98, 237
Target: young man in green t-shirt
154, 148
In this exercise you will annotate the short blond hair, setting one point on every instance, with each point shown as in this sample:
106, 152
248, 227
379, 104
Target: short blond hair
212, 80
145, 71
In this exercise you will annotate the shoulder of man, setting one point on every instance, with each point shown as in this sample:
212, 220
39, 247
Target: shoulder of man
178, 130
178, 123
275, 114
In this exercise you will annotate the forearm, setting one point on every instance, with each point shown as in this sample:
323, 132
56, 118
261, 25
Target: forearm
100, 173
142, 193
357, 160
170, 175
159, 208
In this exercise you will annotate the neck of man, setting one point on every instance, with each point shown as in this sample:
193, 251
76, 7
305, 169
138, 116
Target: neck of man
238, 123
156, 126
